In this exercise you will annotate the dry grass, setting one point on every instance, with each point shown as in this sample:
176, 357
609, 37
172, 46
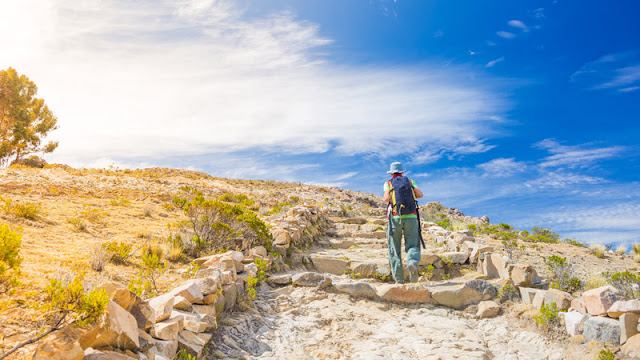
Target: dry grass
595, 281
598, 250
621, 250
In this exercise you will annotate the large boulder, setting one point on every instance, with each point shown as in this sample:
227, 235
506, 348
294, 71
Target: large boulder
330, 265
428, 259
32, 161
459, 296
528, 295
405, 294
488, 309
118, 329
524, 275
311, 279
598, 301
562, 299
168, 329
496, 265
195, 322
208, 285
456, 257
190, 291
357, 289
92, 354
577, 304
632, 347
477, 250
119, 294
574, 322
192, 342
602, 329
279, 279
144, 315
230, 295
59, 347
161, 306
620, 307
628, 326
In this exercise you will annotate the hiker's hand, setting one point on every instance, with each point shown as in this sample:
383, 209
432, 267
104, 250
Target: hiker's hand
416, 191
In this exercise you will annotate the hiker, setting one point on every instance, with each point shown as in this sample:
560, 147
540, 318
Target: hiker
401, 194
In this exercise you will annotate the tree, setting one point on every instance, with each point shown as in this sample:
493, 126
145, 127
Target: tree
24, 119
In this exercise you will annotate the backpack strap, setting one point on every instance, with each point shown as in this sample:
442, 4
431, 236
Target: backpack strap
393, 197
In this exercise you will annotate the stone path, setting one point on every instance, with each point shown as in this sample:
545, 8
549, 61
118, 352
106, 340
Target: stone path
308, 323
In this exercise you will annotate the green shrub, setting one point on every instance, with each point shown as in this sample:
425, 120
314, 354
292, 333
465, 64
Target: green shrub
10, 260
548, 316
563, 275
542, 235
627, 282
598, 250
445, 224
574, 243
636, 248
472, 228
25, 210
71, 299
119, 252
280, 207
606, 354
507, 293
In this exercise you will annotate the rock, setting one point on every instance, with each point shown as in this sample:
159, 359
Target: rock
538, 299
118, 329
181, 303
488, 309
459, 296
355, 220
574, 322
190, 291
632, 347
195, 322
602, 329
477, 250
210, 299
208, 271
577, 304
528, 294
119, 294
237, 258
144, 315
598, 301
311, 279
524, 275
251, 269
230, 295
32, 161
208, 285
485, 219
358, 289
577, 339
628, 326
168, 329
59, 347
561, 298
146, 341
155, 354
205, 309
168, 348
92, 354
240, 286
192, 342
405, 294
496, 265
330, 265
456, 257
258, 251
279, 279
620, 307
161, 306
428, 259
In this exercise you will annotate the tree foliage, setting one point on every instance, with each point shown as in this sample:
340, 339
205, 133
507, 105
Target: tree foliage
24, 119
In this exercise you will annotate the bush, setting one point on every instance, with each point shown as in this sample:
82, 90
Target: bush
539, 234
636, 258
574, 243
507, 293
71, 300
548, 317
78, 224
621, 250
563, 275
595, 281
627, 282
606, 354
598, 250
25, 210
93, 214
119, 252
636, 248
445, 224
10, 260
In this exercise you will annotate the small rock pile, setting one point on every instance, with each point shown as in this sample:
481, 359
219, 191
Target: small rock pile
299, 227
158, 328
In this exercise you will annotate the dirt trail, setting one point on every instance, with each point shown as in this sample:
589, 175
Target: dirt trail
307, 323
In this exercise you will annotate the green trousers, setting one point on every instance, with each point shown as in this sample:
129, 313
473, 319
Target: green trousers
408, 227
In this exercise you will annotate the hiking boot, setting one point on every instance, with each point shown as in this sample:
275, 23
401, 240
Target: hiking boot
413, 273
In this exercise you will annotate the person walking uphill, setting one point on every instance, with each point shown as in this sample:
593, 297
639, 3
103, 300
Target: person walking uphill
401, 194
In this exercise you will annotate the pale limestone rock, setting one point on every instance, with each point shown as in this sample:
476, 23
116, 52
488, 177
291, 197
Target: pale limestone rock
524, 275
538, 299
311, 279
157, 354
577, 304
192, 322
146, 340
476, 251
330, 265
602, 329
529, 294
252, 269
488, 309
358, 289
259, 251
237, 258
456, 257
189, 290
496, 265
632, 347
598, 301
205, 309
168, 329
574, 322
168, 348
181, 303
207, 285
428, 259
279, 279
192, 342
561, 298
92, 354
210, 299
406, 294
620, 307
230, 295
119, 294
459, 296
628, 326
59, 347
118, 329
162, 306
144, 315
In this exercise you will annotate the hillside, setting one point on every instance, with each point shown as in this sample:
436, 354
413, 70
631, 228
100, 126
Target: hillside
66, 216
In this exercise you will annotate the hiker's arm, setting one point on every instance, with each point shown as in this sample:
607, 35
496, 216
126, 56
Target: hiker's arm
418, 193
387, 196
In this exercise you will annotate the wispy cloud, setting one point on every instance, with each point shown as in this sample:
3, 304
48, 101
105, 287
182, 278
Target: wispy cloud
154, 79
434, 152
518, 24
575, 156
506, 34
502, 167
619, 72
493, 63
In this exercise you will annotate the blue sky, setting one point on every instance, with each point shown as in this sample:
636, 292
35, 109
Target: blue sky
524, 111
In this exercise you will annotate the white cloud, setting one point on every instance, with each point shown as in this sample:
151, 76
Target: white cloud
502, 167
575, 156
434, 152
492, 63
619, 72
154, 79
506, 34
519, 24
